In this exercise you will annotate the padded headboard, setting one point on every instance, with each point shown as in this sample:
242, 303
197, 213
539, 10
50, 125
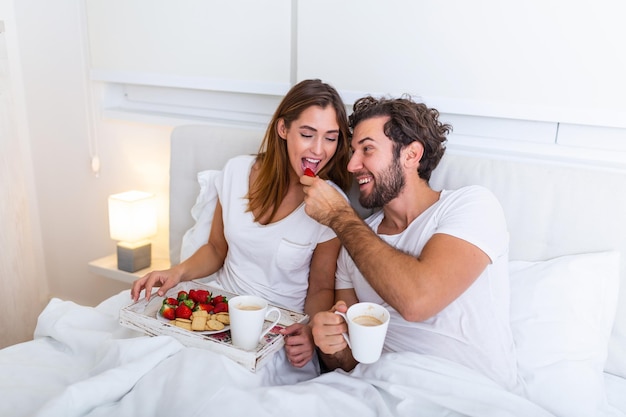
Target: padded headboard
195, 148
552, 209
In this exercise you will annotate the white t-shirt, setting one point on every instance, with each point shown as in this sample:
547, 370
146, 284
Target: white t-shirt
271, 261
474, 329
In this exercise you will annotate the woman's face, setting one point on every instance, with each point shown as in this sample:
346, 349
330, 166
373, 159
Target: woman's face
312, 138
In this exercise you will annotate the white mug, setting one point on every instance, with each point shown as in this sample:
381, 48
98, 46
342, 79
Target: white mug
367, 328
247, 316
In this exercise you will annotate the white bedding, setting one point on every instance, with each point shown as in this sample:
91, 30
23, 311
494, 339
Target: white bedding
83, 363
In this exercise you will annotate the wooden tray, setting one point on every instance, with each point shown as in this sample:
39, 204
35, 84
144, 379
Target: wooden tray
141, 316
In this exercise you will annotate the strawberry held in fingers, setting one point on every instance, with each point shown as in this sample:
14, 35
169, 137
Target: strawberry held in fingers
309, 172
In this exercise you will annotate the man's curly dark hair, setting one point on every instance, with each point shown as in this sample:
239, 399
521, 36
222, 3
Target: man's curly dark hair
409, 121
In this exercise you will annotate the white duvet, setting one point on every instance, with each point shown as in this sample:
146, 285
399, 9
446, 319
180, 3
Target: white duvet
83, 363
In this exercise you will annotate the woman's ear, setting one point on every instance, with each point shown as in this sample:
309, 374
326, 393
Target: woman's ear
281, 129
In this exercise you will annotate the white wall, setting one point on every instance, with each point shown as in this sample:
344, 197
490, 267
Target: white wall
73, 201
71, 222
540, 77
549, 60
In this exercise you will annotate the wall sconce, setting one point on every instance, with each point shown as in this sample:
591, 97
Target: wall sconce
132, 220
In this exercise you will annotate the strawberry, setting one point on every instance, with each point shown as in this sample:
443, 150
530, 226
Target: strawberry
220, 307
204, 306
168, 312
182, 295
309, 172
171, 301
183, 311
189, 303
200, 296
219, 299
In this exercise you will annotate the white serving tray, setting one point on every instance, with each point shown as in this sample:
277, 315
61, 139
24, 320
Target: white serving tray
141, 316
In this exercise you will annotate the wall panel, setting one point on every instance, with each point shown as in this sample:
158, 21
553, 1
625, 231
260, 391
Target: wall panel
242, 45
544, 60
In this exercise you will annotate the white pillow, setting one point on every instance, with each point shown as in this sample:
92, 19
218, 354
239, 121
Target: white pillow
562, 313
202, 213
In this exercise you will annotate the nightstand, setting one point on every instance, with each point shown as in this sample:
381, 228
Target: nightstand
107, 267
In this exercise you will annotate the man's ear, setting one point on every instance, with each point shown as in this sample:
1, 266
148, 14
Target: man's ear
281, 129
413, 154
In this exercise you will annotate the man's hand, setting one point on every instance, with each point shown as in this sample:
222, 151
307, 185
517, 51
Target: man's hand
323, 203
328, 329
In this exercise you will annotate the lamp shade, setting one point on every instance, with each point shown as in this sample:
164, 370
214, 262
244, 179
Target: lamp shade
132, 216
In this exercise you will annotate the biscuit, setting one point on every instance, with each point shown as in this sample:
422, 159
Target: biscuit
214, 325
223, 317
183, 323
199, 323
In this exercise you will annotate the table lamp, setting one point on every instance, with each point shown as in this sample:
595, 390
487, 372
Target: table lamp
132, 220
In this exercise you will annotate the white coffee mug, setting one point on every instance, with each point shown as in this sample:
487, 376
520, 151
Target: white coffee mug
247, 316
367, 328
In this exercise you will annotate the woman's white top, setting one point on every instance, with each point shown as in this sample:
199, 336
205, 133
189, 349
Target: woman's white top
273, 260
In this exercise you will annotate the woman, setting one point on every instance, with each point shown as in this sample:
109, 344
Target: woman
261, 240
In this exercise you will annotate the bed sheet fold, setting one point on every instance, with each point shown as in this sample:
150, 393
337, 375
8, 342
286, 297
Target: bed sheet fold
83, 363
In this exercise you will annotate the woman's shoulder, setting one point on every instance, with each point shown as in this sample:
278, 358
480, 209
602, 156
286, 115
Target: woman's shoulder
240, 162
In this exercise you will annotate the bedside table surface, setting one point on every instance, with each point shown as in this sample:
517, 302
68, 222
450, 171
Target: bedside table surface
107, 267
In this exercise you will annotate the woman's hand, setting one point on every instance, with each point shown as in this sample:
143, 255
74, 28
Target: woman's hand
165, 279
299, 345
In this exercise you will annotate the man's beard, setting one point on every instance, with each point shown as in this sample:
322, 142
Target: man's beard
387, 186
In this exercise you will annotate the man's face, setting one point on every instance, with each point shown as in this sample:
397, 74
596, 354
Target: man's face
373, 164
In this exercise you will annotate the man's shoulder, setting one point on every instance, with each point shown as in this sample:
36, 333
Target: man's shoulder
374, 218
470, 193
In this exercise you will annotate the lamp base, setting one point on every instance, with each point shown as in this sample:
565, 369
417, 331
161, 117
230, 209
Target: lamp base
133, 258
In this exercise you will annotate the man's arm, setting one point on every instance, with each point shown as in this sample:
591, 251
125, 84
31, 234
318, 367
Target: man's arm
417, 287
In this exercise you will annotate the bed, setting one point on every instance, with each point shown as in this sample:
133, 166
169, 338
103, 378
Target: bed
568, 314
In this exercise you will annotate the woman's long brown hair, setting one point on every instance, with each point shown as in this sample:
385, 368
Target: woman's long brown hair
270, 186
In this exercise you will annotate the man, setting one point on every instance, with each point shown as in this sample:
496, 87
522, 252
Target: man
437, 260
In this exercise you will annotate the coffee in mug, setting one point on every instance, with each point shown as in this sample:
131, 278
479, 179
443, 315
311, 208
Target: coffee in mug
251, 307
367, 321
367, 329
247, 317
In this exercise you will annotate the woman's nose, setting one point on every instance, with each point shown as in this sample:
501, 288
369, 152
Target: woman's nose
317, 147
